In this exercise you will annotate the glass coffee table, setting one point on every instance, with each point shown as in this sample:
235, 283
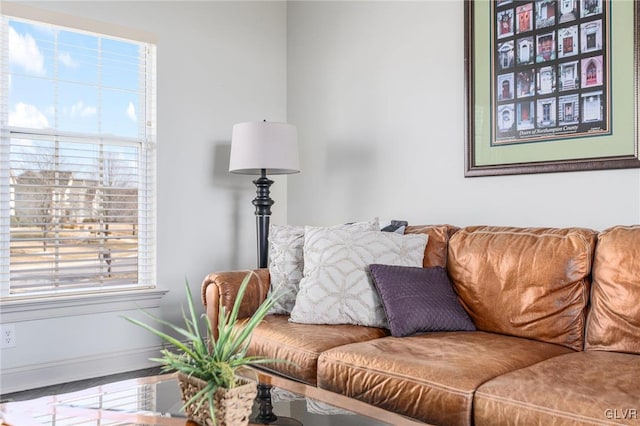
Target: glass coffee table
153, 400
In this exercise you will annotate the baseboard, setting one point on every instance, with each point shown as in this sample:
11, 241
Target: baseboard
72, 369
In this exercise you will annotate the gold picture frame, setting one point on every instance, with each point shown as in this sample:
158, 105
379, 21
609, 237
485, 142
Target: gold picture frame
565, 142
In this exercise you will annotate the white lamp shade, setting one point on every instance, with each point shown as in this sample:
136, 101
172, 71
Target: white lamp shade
264, 145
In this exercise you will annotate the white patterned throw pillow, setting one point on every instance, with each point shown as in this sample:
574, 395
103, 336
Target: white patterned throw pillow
286, 260
337, 287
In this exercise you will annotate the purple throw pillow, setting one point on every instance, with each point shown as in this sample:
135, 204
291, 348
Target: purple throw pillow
419, 300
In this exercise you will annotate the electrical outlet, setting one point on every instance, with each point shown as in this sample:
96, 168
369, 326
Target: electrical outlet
7, 336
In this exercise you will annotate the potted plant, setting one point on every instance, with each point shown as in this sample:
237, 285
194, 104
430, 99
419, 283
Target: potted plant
212, 391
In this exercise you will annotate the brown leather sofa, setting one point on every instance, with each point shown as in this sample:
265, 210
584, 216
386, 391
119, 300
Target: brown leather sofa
557, 313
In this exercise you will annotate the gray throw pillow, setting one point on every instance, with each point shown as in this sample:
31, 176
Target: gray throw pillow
419, 300
286, 260
336, 287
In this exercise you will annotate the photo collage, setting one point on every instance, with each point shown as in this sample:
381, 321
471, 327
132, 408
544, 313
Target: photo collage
550, 70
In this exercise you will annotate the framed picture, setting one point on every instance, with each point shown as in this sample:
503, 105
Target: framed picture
551, 86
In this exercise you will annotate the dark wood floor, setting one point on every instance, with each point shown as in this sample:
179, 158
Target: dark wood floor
77, 385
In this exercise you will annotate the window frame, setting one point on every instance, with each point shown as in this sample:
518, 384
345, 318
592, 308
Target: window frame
18, 307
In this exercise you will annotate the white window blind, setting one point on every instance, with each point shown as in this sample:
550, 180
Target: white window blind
77, 165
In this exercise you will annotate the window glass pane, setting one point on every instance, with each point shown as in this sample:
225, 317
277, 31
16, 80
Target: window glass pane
78, 57
31, 102
121, 166
29, 155
75, 215
31, 49
120, 113
85, 72
77, 108
120, 64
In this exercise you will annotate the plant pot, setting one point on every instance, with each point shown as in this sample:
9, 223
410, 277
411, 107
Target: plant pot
232, 407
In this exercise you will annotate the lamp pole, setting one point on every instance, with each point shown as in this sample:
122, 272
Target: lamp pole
263, 203
264, 147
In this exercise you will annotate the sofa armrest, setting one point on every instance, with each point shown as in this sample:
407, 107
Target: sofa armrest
221, 289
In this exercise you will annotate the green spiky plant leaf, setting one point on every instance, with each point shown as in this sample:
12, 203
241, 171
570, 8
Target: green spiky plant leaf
216, 361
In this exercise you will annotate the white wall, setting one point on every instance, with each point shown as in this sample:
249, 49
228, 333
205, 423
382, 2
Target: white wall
377, 92
218, 63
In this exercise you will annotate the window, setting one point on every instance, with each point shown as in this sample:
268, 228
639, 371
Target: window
546, 112
77, 165
567, 44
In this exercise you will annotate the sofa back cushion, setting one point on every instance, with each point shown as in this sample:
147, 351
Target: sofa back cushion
614, 318
435, 254
524, 282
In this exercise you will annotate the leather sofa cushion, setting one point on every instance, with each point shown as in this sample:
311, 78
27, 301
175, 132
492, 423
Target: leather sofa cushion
591, 388
435, 253
430, 377
538, 277
301, 344
614, 319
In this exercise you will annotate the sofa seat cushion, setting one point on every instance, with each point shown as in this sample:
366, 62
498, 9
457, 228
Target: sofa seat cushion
591, 388
430, 377
301, 344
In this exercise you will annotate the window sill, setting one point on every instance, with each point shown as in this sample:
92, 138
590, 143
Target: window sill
66, 306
